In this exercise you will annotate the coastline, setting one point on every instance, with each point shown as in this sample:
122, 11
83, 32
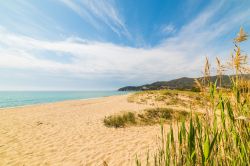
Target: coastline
72, 133
91, 98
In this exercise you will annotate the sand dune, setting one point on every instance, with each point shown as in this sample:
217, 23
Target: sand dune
72, 133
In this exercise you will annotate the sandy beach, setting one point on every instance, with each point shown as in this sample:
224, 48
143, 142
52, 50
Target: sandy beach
72, 133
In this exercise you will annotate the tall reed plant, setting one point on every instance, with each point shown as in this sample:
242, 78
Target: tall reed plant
222, 135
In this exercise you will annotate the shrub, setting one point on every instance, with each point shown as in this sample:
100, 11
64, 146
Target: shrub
129, 117
195, 89
147, 117
114, 121
120, 120
156, 113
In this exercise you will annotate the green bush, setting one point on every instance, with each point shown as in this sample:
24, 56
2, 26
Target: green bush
195, 89
147, 117
156, 113
129, 117
120, 120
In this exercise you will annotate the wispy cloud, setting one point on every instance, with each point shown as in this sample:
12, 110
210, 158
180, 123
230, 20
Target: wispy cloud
27, 18
168, 29
96, 11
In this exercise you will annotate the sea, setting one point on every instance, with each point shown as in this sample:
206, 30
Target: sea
23, 98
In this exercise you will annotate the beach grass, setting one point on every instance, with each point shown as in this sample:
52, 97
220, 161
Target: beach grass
117, 121
149, 116
169, 98
222, 135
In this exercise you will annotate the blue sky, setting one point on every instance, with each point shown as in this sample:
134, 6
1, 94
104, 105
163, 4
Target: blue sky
106, 44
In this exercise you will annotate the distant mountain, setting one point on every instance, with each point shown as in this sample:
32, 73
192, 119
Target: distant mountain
183, 83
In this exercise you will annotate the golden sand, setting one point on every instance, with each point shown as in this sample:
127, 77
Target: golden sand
72, 133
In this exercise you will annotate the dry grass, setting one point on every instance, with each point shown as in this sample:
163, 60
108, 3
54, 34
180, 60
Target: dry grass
222, 136
117, 121
159, 115
169, 98
146, 117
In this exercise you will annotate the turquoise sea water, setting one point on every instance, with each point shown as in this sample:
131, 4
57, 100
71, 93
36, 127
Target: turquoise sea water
22, 98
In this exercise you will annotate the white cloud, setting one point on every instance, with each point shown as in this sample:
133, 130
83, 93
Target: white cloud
88, 57
95, 11
181, 55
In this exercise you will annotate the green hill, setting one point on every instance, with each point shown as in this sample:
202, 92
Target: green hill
183, 83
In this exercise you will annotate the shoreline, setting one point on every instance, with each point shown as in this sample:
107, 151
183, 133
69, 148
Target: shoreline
66, 100
73, 133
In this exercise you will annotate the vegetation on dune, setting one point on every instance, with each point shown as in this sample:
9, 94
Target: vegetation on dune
158, 115
222, 136
116, 121
169, 98
146, 117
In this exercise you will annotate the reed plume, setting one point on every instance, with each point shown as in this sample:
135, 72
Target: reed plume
242, 36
